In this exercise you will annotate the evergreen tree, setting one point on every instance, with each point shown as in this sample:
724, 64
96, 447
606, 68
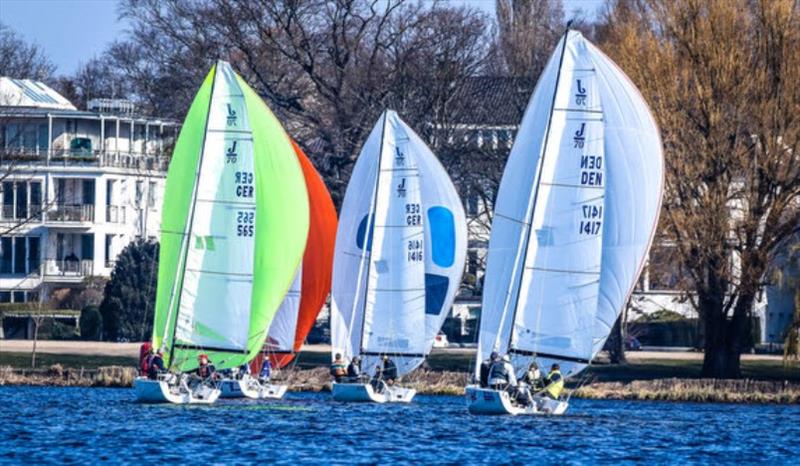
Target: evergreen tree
130, 295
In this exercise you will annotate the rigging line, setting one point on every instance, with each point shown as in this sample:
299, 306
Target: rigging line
185, 243
532, 203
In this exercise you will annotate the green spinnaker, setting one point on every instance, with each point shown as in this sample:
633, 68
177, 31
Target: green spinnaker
281, 224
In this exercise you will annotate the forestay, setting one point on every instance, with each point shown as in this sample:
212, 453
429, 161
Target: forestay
575, 212
400, 250
223, 269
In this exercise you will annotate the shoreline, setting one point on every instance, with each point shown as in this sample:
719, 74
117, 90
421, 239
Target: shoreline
427, 382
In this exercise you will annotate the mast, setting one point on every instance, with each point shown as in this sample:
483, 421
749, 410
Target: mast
180, 273
368, 239
529, 222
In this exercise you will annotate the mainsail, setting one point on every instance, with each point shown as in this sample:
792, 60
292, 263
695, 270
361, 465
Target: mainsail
400, 250
312, 282
234, 227
575, 212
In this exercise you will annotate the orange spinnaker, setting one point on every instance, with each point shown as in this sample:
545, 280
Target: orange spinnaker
317, 260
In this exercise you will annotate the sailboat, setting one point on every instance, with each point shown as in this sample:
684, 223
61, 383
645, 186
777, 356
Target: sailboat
574, 218
398, 261
234, 227
305, 298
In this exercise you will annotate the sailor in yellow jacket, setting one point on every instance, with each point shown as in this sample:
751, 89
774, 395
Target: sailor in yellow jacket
554, 382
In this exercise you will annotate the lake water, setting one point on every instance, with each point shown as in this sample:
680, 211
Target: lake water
82, 425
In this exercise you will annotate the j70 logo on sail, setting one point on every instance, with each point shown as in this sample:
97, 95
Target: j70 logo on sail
399, 157
580, 95
230, 154
401, 188
231, 117
579, 137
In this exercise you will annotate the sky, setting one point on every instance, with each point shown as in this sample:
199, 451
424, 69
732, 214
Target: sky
71, 32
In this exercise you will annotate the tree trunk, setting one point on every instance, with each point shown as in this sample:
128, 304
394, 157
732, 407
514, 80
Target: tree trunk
726, 339
36, 323
616, 350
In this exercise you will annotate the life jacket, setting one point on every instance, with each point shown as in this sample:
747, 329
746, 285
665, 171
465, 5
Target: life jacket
555, 384
498, 373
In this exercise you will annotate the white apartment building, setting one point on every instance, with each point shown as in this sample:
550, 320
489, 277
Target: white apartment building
76, 187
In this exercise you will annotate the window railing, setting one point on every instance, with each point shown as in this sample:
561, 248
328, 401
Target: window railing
68, 267
95, 158
71, 213
115, 214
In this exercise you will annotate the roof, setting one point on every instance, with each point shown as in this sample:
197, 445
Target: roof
493, 100
28, 93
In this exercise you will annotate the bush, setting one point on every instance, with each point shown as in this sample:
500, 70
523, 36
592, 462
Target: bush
91, 323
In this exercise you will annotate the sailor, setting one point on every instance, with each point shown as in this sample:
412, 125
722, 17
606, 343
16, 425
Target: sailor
338, 368
155, 365
266, 372
145, 353
533, 376
486, 366
244, 369
389, 370
554, 382
206, 369
354, 369
501, 375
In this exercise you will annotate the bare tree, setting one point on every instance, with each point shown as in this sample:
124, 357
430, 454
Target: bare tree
527, 32
19, 59
721, 78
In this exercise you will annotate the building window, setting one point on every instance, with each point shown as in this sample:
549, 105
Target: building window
19, 255
139, 193
151, 194
8, 200
36, 200
5, 296
22, 200
19, 296
108, 246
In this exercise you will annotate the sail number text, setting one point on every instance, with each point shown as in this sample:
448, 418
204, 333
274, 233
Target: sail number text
413, 216
245, 223
414, 251
244, 184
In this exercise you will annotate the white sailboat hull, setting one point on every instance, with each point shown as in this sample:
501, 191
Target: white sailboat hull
485, 401
160, 391
248, 387
355, 392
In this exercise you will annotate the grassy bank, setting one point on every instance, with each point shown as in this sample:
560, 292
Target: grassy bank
674, 379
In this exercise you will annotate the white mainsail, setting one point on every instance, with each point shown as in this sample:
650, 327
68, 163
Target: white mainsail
399, 252
219, 271
575, 212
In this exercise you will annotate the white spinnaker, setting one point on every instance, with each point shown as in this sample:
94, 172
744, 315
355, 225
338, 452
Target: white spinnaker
215, 299
280, 338
351, 252
445, 242
634, 187
428, 185
633, 177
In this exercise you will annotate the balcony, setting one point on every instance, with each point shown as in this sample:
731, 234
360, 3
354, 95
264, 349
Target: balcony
69, 269
115, 214
71, 213
88, 158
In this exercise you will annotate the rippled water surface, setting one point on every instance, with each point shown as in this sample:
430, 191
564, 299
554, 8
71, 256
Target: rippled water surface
89, 425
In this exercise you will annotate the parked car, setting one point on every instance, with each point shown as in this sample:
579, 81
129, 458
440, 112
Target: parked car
441, 341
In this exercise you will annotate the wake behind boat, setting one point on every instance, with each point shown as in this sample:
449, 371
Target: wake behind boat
574, 218
399, 257
234, 227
